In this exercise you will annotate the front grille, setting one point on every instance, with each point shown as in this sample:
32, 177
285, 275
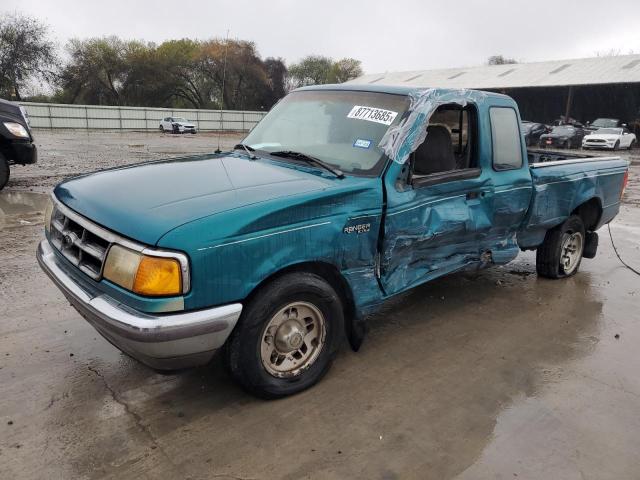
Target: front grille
81, 246
595, 140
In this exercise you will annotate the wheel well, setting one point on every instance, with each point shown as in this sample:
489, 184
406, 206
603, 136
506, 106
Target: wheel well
590, 213
329, 273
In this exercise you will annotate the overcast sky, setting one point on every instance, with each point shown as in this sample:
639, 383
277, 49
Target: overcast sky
385, 35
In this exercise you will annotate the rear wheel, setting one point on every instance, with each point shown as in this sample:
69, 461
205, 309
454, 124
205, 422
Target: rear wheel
4, 172
561, 252
287, 336
632, 144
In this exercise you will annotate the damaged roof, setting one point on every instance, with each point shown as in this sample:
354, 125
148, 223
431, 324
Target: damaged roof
582, 71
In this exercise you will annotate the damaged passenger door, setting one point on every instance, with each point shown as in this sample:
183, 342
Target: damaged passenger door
439, 208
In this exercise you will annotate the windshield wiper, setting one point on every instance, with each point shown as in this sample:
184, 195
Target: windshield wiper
247, 149
309, 159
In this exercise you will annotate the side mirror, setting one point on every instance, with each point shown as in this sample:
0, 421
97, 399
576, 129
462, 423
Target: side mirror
624, 125
588, 123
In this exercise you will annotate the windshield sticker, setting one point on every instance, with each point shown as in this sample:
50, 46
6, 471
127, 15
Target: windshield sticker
370, 114
362, 143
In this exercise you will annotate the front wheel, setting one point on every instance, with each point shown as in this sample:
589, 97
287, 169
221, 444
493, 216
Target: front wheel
561, 251
4, 172
161, 129
287, 336
617, 145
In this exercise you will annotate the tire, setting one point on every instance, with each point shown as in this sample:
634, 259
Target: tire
250, 355
5, 173
617, 145
632, 144
161, 129
550, 261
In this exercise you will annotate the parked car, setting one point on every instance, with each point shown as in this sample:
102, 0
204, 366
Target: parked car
330, 206
562, 136
177, 125
599, 123
16, 139
532, 132
610, 138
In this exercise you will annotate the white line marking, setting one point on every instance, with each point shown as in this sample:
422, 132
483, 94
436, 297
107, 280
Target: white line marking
265, 235
581, 178
423, 204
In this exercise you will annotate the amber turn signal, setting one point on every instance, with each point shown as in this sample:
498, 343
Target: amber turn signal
158, 276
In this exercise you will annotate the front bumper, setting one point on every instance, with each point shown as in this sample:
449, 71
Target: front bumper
165, 342
23, 152
599, 145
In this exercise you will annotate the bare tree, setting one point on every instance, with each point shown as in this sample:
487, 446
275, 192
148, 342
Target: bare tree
26, 53
500, 60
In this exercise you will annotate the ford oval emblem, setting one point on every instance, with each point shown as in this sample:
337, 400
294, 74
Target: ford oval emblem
67, 240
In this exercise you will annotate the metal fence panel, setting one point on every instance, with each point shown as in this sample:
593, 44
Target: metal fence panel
51, 115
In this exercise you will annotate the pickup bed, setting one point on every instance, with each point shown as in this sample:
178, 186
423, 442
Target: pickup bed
342, 197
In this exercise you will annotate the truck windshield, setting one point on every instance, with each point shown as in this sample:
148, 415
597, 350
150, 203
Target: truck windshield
609, 131
342, 128
564, 130
605, 122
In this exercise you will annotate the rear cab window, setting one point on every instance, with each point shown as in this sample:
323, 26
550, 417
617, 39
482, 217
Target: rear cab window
505, 138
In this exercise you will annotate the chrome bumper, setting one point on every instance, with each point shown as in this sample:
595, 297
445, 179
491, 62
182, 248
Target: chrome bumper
165, 342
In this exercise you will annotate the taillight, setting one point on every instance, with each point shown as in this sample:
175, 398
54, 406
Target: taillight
625, 180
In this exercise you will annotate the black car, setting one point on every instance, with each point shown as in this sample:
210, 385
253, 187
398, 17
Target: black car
532, 132
16, 141
563, 136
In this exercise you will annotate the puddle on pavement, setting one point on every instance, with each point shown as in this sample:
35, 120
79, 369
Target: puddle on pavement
21, 208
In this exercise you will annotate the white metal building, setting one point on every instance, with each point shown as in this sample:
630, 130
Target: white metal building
586, 88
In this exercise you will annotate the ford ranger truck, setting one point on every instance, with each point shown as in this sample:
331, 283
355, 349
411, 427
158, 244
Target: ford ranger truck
340, 198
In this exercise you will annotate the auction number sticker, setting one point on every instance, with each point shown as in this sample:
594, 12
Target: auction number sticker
378, 115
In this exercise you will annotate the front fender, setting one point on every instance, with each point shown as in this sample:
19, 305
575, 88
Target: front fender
233, 252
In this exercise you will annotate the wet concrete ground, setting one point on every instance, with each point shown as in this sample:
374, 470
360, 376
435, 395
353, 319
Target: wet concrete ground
499, 374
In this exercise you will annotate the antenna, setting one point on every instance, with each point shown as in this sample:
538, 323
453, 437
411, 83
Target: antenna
224, 76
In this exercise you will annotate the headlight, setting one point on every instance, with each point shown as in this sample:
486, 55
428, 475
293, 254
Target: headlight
16, 129
48, 212
145, 274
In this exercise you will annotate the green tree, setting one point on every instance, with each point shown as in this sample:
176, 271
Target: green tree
95, 72
311, 70
344, 70
277, 74
26, 54
318, 70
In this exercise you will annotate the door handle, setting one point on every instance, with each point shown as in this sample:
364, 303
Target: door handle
472, 195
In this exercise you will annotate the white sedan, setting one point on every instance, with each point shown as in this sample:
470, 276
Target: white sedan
610, 138
177, 125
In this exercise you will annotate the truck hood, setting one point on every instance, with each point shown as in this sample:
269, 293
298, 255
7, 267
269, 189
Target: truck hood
146, 201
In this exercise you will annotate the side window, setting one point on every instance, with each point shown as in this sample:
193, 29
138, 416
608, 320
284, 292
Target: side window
449, 146
505, 135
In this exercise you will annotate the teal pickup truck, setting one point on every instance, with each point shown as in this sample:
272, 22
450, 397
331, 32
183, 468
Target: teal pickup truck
340, 198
